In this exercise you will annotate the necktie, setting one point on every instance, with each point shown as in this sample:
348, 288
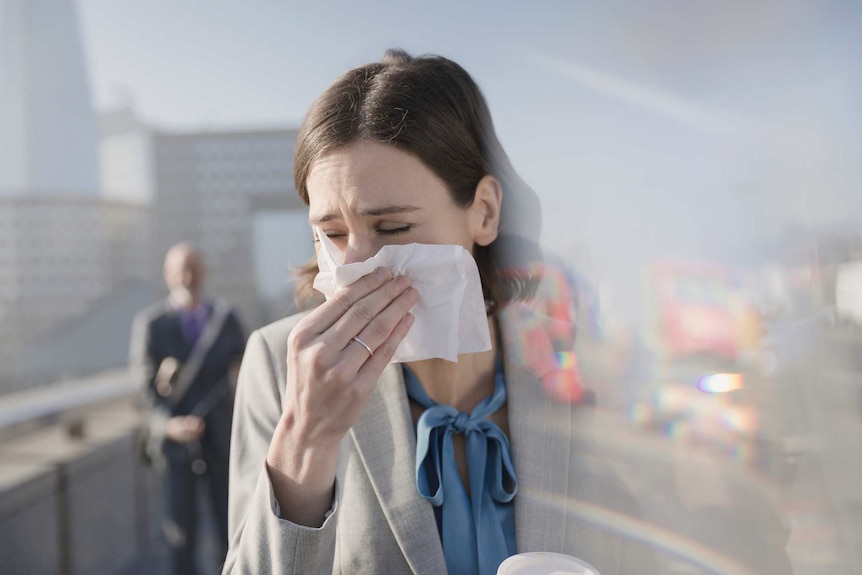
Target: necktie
193, 322
477, 532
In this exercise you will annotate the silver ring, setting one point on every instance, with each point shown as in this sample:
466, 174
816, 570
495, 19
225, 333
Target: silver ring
363, 344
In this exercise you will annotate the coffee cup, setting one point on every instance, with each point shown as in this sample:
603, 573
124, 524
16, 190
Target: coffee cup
542, 563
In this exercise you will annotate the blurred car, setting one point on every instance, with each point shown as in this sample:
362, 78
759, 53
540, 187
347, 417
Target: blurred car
700, 311
711, 408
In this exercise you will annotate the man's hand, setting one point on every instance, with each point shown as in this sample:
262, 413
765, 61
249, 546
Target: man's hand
184, 428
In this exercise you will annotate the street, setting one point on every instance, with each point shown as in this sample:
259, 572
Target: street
782, 453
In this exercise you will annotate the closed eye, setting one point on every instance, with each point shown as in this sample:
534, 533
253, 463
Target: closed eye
330, 235
394, 231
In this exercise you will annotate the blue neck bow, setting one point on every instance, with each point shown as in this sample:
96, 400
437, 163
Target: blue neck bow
477, 532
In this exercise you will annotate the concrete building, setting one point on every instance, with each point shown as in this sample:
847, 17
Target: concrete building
58, 257
230, 192
218, 189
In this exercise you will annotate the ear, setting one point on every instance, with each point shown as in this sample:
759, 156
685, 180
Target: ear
485, 210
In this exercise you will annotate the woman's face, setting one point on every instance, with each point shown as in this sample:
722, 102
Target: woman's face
368, 195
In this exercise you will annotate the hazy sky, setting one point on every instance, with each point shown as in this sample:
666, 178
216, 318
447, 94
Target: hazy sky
649, 129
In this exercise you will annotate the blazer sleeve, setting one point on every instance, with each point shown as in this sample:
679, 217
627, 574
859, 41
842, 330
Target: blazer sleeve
142, 365
260, 541
141, 361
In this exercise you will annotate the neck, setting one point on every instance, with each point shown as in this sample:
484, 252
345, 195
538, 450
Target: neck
463, 384
185, 301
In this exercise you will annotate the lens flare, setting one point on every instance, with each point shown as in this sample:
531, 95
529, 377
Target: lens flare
720, 383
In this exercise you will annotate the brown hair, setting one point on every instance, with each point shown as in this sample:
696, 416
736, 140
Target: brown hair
431, 108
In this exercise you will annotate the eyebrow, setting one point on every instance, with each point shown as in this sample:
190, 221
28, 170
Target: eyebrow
381, 211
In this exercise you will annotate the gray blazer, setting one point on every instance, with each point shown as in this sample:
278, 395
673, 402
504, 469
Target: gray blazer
567, 500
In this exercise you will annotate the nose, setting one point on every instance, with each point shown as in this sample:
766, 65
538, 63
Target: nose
188, 278
359, 251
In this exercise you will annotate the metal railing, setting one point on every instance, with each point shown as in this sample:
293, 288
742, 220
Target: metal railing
73, 496
24, 411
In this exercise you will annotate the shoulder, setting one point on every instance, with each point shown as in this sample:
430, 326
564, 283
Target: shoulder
263, 371
222, 307
274, 336
152, 312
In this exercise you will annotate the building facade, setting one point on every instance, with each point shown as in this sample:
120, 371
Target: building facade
210, 187
58, 257
230, 192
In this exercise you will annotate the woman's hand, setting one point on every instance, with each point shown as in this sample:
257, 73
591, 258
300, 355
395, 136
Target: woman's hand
329, 379
330, 376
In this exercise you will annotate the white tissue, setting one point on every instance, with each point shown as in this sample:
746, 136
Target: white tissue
450, 314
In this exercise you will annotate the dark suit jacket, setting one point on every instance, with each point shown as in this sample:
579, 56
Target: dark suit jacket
156, 335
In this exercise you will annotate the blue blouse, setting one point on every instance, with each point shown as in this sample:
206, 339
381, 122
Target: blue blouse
477, 532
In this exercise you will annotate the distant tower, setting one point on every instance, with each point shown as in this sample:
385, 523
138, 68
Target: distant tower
48, 133
64, 248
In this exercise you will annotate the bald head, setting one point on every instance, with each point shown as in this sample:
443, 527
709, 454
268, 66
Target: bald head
184, 274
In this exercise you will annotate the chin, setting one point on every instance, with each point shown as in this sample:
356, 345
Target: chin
183, 297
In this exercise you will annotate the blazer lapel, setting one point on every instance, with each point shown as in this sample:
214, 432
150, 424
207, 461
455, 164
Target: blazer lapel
391, 469
540, 431
174, 341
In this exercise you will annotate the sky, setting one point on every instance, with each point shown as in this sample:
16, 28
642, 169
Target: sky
673, 129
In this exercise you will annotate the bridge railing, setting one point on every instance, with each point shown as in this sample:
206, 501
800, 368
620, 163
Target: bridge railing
73, 497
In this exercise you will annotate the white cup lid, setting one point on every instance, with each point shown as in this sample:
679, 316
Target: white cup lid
541, 563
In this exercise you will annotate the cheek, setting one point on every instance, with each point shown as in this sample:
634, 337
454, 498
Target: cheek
451, 227
458, 233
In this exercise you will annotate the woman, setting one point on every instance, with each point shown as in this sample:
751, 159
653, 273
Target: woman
323, 469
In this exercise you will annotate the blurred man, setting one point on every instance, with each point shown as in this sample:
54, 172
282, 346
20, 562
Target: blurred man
185, 351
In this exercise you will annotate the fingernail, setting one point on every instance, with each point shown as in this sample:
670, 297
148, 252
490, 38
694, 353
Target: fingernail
413, 294
382, 274
402, 282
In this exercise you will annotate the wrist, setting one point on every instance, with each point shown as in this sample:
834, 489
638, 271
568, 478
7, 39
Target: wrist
305, 461
302, 474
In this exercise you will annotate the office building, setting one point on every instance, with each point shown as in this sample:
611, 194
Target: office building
230, 192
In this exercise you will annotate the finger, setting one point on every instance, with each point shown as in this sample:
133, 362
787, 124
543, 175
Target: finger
374, 366
380, 328
364, 312
330, 311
